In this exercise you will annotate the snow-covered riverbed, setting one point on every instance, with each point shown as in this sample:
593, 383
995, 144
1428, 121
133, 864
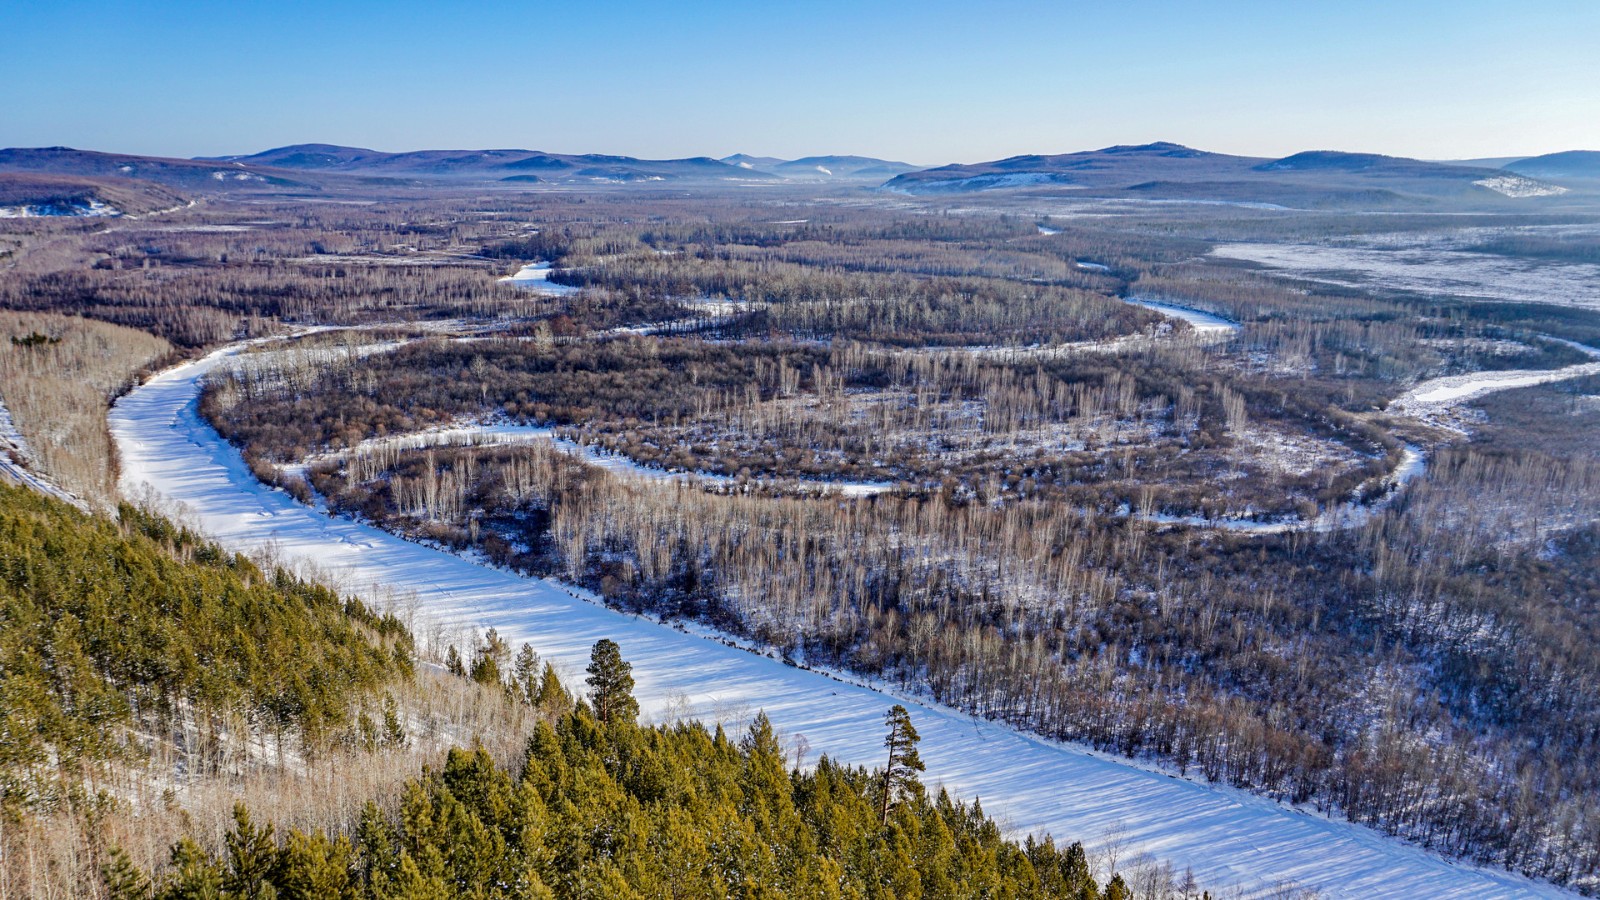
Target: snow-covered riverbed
489, 433
536, 277
1228, 837
1202, 321
1430, 398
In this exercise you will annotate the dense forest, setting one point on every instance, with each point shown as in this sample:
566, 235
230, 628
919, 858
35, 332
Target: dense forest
115, 632
113, 629
606, 808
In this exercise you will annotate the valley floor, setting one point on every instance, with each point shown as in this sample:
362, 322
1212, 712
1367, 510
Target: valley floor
1229, 838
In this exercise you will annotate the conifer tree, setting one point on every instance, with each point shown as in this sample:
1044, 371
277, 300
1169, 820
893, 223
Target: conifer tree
252, 853
553, 699
899, 774
611, 684
194, 875
525, 676
489, 659
123, 879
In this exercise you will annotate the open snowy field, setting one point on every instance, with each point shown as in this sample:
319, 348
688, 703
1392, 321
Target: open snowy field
1436, 270
1228, 837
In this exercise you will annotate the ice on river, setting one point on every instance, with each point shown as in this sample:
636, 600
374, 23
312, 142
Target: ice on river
536, 277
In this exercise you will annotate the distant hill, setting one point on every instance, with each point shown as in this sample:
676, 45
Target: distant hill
495, 165
1110, 167
25, 194
1366, 163
1568, 164
1166, 170
184, 174
746, 161
823, 168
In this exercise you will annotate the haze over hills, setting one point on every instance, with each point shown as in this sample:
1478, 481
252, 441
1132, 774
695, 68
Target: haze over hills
823, 168
519, 165
1156, 171
1569, 164
535, 165
1174, 171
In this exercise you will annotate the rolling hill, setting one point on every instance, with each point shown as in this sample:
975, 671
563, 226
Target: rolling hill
494, 165
1569, 164
118, 168
28, 194
1165, 170
823, 168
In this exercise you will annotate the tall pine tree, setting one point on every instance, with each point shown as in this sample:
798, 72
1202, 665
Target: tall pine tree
899, 774
611, 684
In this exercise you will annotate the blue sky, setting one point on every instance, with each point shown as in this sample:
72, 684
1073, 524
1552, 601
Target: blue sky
926, 82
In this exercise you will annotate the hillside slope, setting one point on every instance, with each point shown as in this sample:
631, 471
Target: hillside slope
492, 165
1174, 172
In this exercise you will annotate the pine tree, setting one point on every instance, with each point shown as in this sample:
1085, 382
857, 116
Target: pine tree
525, 676
1118, 889
252, 853
313, 867
123, 879
899, 774
553, 699
611, 684
394, 731
489, 660
193, 875
452, 662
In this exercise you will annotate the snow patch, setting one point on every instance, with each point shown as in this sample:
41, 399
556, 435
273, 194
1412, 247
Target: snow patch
1200, 320
88, 209
536, 277
1517, 186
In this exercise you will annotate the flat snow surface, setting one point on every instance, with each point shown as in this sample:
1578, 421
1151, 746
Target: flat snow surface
536, 277
1228, 837
1438, 393
1200, 320
1439, 271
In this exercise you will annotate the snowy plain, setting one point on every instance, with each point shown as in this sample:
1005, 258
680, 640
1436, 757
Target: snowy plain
1437, 270
1229, 838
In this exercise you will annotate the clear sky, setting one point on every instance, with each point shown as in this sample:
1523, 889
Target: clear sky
927, 82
